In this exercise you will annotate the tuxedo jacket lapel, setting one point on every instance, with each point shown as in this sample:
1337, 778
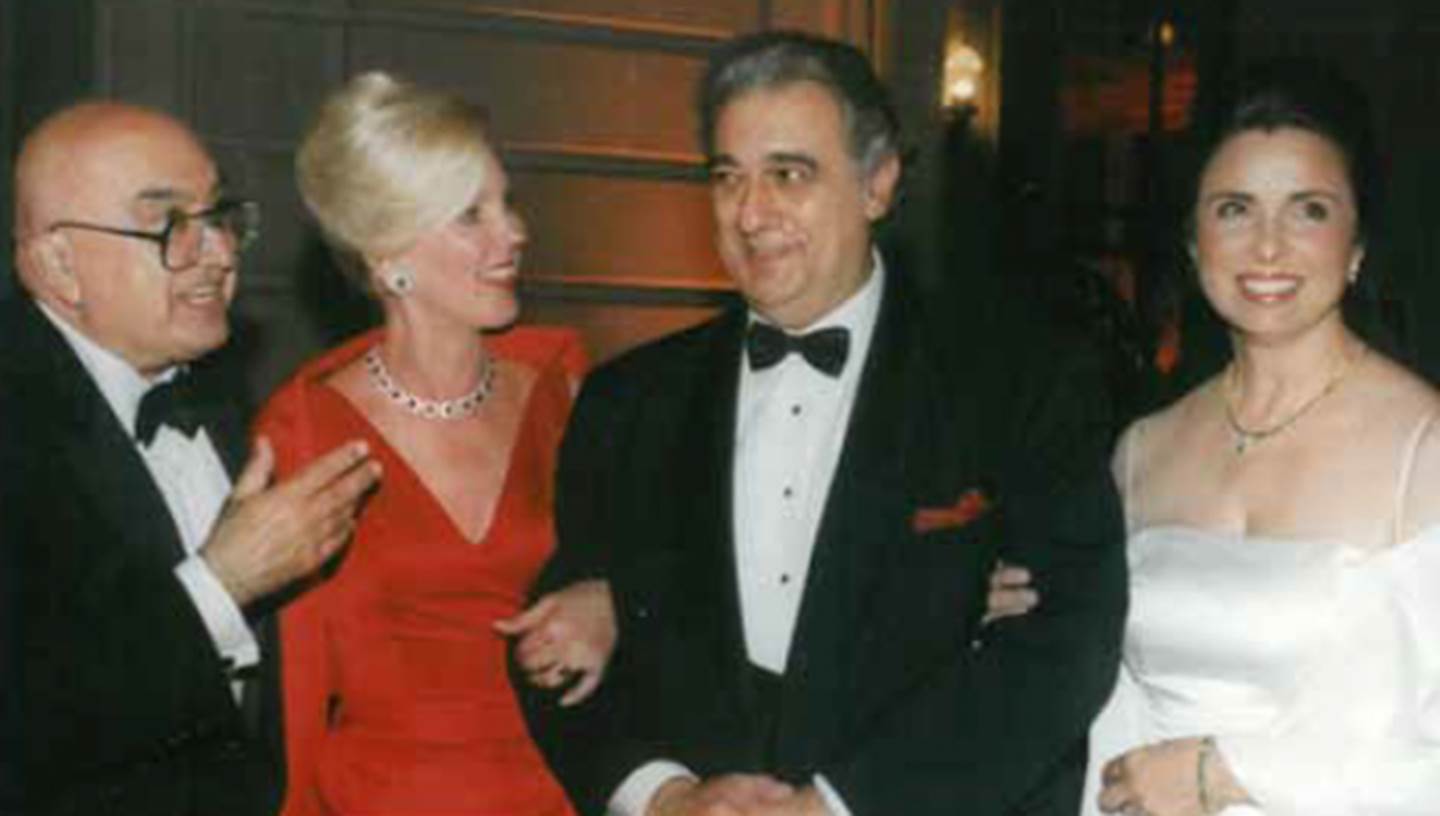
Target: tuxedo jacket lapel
866, 480
714, 406
903, 421
110, 471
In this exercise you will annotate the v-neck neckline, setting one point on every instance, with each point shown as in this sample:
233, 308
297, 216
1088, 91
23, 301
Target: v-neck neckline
418, 483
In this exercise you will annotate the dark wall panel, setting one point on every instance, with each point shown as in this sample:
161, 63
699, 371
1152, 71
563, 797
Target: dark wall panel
141, 48
596, 228
572, 96
616, 325
722, 16
592, 107
260, 78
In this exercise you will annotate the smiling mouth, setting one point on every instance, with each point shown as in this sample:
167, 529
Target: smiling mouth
204, 296
767, 253
501, 273
1267, 288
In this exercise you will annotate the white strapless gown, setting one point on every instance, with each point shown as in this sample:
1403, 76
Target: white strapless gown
1315, 665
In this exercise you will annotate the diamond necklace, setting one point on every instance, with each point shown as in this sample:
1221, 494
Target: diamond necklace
451, 409
1245, 437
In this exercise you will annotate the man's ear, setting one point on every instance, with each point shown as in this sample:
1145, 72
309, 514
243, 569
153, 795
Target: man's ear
46, 264
880, 187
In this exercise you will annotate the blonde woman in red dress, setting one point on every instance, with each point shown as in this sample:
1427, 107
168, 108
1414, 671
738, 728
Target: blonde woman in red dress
396, 692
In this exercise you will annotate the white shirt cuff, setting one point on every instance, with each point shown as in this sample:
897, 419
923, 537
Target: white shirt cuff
223, 619
833, 802
633, 796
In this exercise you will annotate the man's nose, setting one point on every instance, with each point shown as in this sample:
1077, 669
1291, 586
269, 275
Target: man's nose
755, 204
218, 245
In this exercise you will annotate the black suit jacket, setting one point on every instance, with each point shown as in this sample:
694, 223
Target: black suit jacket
892, 690
124, 703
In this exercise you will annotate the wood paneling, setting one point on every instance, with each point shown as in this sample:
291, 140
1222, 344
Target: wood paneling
142, 49
712, 17
591, 227
581, 95
591, 102
616, 325
286, 233
260, 101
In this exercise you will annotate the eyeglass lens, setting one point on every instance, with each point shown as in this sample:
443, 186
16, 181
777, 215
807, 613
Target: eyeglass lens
235, 221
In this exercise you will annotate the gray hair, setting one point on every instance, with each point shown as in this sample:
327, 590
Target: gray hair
772, 59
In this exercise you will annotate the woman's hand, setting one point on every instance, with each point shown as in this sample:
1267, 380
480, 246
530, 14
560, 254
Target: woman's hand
1010, 593
1164, 779
566, 638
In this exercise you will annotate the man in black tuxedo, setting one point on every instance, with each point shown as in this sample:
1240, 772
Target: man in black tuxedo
140, 572
797, 505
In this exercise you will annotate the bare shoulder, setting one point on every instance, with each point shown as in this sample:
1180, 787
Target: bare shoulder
1161, 432
1405, 402
1163, 428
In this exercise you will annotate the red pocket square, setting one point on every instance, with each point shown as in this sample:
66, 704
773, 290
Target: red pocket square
971, 505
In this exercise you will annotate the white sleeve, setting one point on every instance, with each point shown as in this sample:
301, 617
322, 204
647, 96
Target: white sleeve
223, 619
1366, 737
831, 797
633, 796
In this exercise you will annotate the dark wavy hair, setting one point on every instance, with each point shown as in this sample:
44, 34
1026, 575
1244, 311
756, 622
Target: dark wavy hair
771, 59
1301, 93
1311, 95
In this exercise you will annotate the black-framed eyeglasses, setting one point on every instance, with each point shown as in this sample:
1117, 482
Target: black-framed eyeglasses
182, 239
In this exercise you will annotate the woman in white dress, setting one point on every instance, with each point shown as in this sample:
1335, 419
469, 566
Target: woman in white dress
1282, 651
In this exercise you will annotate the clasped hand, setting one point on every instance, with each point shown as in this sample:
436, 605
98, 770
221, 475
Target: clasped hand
1164, 779
735, 795
565, 639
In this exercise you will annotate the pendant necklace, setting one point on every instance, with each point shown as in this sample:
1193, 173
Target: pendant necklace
452, 409
1245, 437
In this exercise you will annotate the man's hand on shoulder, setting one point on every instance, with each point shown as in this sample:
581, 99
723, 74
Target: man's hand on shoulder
269, 535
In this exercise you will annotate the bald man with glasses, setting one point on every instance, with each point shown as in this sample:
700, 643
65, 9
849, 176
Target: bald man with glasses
142, 551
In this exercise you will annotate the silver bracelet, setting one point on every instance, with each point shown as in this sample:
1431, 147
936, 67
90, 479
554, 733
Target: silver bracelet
1202, 761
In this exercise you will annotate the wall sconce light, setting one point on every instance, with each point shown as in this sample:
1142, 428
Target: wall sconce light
1165, 34
961, 83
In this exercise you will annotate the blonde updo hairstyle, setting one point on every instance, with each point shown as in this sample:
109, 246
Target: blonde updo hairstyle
386, 161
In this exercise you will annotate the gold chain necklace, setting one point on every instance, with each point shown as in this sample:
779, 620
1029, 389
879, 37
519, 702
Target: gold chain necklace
1245, 437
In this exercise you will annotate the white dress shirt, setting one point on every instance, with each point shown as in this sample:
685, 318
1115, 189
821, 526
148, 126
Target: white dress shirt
790, 427
193, 482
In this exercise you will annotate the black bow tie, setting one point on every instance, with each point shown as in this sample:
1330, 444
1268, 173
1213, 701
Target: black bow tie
172, 403
825, 349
